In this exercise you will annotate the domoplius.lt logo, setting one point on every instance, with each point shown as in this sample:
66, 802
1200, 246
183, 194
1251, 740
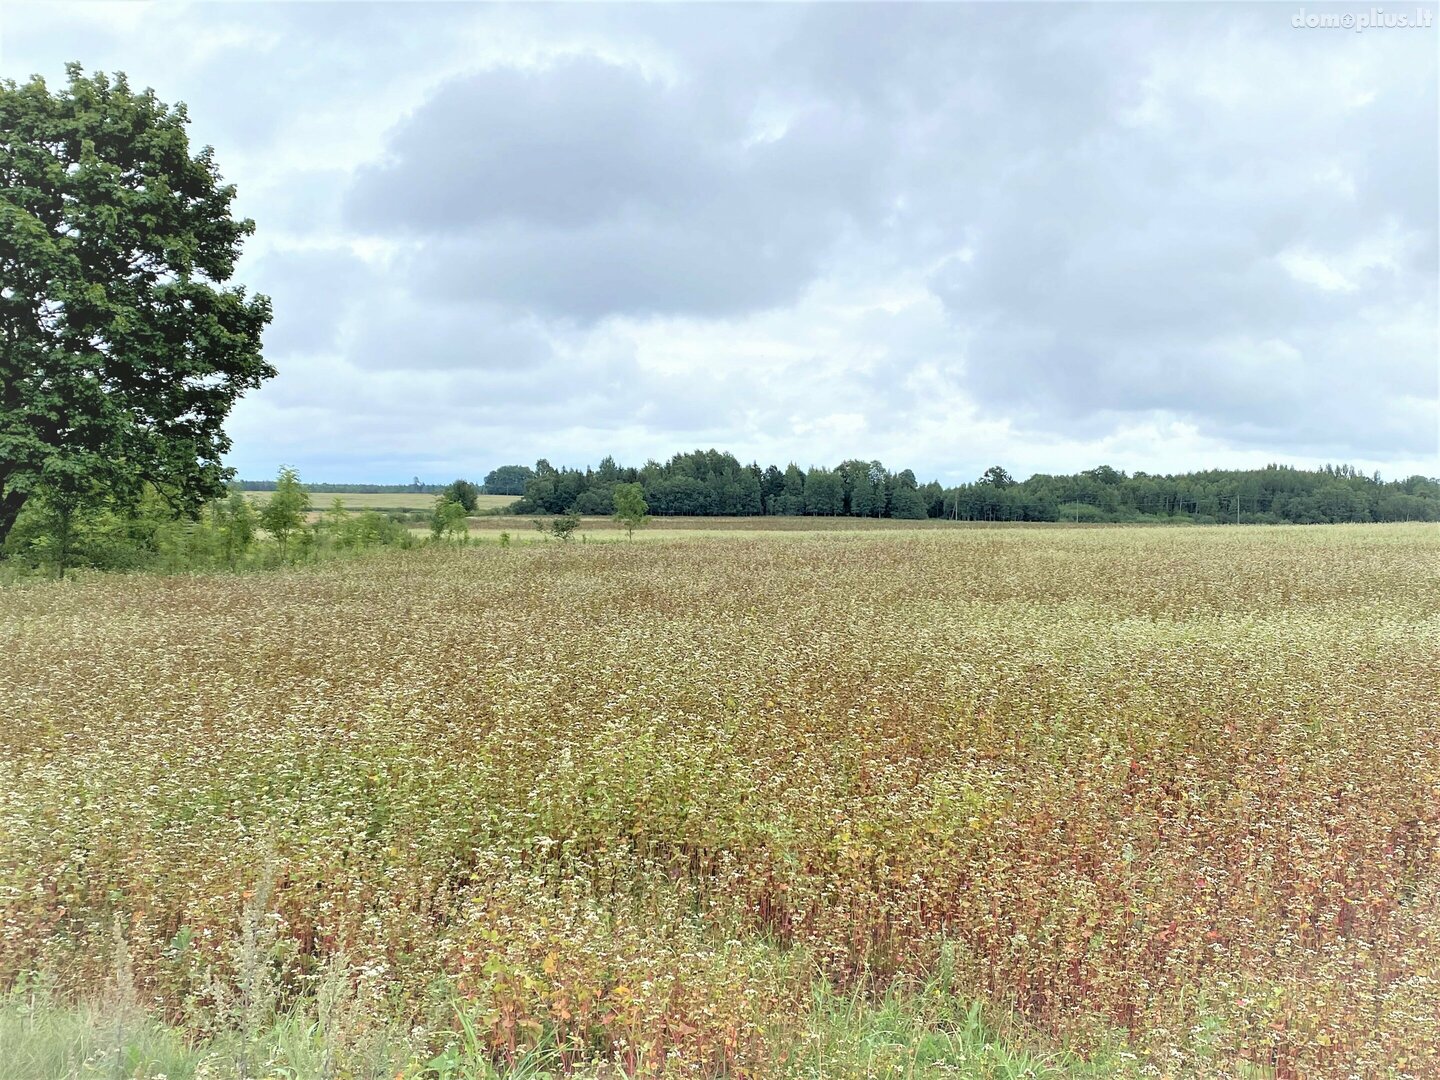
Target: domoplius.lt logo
1374, 19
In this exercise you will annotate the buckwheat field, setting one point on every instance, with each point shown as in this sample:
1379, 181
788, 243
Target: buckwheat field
1164, 798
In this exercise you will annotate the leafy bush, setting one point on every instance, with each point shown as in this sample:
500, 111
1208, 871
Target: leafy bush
1080, 512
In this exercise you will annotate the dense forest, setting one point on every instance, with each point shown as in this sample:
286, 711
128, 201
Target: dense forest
709, 482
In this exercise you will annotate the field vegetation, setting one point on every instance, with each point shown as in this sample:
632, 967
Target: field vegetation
940, 802
405, 501
246, 530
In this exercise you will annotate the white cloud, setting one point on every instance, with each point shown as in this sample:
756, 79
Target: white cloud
1311, 269
943, 236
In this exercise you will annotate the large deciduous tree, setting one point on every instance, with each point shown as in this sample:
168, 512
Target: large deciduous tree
122, 347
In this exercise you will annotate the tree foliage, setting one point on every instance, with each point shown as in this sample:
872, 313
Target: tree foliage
508, 480
448, 521
235, 521
122, 348
561, 527
145, 533
709, 483
463, 492
631, 510
284, 512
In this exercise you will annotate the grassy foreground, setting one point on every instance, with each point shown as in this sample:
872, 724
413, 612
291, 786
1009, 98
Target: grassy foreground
913, 1032
764, 806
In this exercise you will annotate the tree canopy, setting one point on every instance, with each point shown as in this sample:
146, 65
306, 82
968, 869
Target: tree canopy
463, 492
508, 480
284, 512
709, 482
631, 510
122, 347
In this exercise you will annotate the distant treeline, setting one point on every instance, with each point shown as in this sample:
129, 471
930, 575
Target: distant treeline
360, 489
709, 482
506, 480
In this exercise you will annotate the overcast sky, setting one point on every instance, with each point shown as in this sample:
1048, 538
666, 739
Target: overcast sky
1158, 236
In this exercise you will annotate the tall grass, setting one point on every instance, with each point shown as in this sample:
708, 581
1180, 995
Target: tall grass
924, 1034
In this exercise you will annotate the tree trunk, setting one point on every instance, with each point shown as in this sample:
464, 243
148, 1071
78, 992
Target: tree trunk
10, 506
63, 548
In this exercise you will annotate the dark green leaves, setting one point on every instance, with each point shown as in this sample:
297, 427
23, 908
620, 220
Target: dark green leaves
122, 349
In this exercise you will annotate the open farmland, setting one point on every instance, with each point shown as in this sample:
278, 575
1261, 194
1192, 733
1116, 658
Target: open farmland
418, 502
666, 525
1176, 790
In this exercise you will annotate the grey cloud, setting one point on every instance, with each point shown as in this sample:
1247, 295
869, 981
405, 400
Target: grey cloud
585, 189
1111, 207
403, 334
315, 289
300, 202
629, 266
563, 146
1132, 267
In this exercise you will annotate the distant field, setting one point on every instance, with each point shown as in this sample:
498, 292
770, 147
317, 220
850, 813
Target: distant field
518, 525
522, 527
387, 500
752, 524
